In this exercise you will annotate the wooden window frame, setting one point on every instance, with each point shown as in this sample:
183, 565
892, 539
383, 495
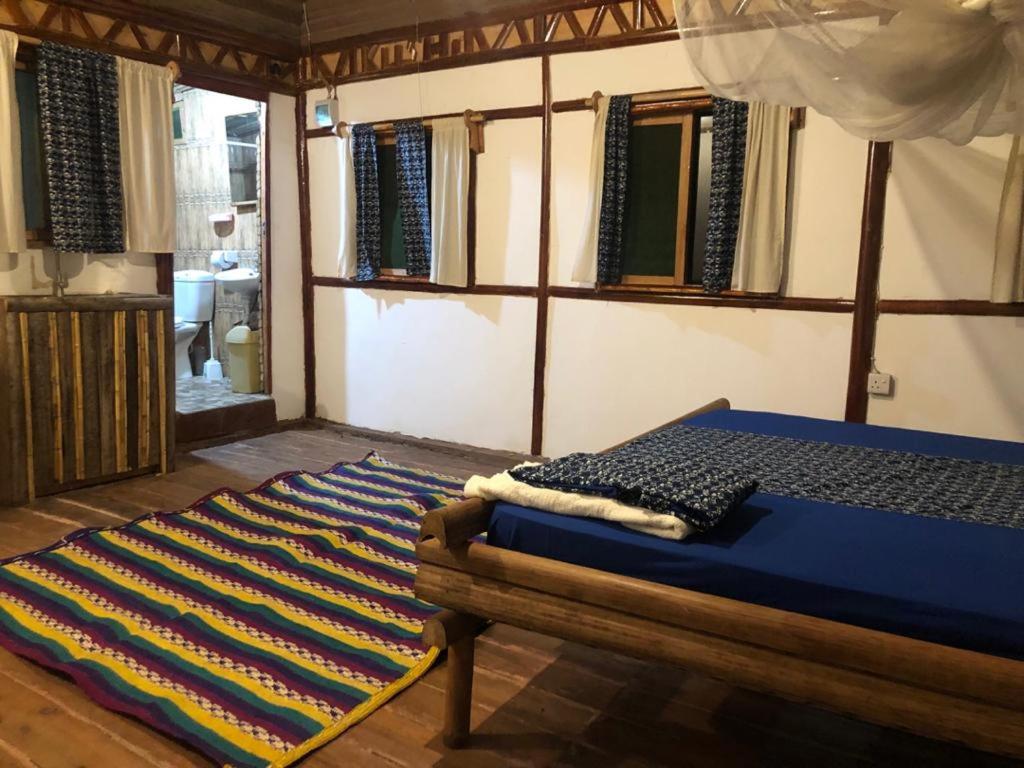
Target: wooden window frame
684, 219
686, 111
387, 139
389, 275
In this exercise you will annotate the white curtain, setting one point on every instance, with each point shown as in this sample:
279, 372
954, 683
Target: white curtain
585, 269
883, 69
147, 156
761, 239
1008, 275
348, 257
449, 203
12, 202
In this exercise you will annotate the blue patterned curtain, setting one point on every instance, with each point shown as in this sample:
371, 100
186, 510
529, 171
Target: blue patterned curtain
728, 158
78, 109
613, 197
413, 194
368, 237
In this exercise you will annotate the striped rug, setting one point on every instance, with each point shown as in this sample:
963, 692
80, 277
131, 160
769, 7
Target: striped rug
255, 627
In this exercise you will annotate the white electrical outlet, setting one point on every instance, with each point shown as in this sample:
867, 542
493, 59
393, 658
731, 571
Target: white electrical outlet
880, 384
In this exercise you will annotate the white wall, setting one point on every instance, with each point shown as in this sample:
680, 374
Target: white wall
456, 368
488, 86
940, 219
507, 226
828, 166
955, 374
286, 256
616, 370
827, 184
472, 357
508, 211
33, 272
963, 375
324, 203
460, 367
656, 67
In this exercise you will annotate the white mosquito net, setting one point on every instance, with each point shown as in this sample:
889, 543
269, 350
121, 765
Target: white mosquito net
883, 69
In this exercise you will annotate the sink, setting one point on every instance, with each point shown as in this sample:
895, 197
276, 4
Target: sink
242, 280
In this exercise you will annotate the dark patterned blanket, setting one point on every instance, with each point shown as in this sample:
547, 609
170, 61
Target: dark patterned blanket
700, 474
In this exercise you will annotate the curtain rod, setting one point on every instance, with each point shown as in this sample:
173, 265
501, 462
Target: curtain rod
172, 65
471, 118
652, 97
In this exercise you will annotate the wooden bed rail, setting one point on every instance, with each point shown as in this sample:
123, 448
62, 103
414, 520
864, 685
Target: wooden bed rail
454, 525
940, 668
933, 690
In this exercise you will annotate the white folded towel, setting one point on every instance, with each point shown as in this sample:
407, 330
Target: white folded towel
503, 487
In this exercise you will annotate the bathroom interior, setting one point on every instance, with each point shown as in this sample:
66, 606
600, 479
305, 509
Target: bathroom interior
218, 307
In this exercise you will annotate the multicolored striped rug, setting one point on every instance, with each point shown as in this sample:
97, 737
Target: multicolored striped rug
255, 627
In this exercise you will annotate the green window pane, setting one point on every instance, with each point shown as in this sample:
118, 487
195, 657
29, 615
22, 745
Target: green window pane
32, 167
179, 129
652, 200
392, 233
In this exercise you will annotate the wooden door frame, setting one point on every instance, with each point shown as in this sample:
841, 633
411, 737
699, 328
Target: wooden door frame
165, 271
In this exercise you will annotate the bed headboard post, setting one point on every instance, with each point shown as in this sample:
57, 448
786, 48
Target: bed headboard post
457, 523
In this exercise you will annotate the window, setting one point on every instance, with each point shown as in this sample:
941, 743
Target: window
33, 167
393, 260
243, 136
177, 124
667, 197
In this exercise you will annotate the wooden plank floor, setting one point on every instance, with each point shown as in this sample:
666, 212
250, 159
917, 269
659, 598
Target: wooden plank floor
538, 701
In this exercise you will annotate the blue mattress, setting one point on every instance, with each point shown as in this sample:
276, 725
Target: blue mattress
944, 581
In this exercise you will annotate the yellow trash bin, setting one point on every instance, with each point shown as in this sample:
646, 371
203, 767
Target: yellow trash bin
244, 359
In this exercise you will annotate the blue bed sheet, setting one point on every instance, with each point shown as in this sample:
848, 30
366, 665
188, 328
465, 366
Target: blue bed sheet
945, 581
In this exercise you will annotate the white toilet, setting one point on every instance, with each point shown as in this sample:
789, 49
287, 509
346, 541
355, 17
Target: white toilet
193, 306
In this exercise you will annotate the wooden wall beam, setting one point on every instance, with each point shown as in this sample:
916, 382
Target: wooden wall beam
958, 307
305, 238
865, 310
150, 37
540, 357
542, 29
164, 273
699, 299
183, 23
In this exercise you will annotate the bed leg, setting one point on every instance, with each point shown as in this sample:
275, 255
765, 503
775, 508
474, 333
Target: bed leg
459, 696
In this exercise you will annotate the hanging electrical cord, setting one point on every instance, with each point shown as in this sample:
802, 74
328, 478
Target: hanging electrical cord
419, 59
315, 74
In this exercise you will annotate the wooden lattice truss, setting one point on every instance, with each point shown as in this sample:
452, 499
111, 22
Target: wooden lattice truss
588, 26
87, 29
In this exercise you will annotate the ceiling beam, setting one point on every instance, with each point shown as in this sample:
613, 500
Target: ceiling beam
148, 41
188, 24
553, 26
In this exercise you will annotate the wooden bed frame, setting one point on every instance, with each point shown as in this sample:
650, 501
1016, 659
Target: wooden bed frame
932, 690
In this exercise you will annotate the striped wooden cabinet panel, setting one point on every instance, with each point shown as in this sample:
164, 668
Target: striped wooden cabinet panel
88, 391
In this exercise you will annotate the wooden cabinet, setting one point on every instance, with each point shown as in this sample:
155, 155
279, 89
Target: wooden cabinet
86, 391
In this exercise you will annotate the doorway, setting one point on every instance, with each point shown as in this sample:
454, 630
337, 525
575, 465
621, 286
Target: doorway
220, 178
